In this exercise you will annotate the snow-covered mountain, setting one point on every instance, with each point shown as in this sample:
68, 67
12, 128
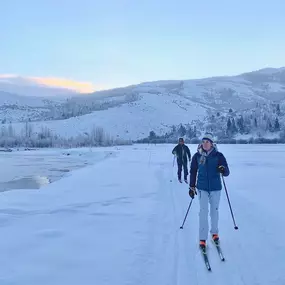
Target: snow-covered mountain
132, 112
219, 93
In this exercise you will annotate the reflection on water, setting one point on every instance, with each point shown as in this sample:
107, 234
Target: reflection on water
32, 170
33, 182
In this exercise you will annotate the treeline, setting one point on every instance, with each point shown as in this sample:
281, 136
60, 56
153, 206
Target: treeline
154, 139
74, 107
46, 138
71, 107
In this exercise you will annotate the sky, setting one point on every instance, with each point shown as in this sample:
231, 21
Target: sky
114, 43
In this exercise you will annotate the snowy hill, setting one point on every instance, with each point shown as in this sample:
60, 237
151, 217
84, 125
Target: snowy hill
7, 98
132, 120
218, 93
134, 111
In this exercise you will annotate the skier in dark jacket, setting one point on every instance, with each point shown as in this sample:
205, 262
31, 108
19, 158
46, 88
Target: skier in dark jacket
181, 151
205, 173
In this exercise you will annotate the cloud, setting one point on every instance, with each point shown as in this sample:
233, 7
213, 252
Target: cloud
82, 87
78, 86
7, 76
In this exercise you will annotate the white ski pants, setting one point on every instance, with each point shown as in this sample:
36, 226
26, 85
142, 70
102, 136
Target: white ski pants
207, 198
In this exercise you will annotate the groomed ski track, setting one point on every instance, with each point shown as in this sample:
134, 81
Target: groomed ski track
253, 254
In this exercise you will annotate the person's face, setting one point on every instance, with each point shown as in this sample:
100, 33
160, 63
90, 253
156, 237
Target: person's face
206, 145
181, 142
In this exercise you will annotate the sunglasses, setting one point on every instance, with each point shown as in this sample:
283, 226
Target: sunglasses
205, 141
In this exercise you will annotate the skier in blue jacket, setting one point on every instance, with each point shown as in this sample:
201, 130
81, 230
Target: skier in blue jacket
206, 167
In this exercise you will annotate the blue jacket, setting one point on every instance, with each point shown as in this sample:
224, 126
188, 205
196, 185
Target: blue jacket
206, 165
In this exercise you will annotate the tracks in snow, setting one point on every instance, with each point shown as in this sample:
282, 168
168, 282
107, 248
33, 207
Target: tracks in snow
171, 256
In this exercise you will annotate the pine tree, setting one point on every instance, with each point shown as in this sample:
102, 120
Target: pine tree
182, 130
194, 132
233, 127
189, 132
278, 109
276, 125
240, 124
269, 126
229, 126
152, 135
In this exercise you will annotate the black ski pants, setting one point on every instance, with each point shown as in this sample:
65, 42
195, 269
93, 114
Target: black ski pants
184, 165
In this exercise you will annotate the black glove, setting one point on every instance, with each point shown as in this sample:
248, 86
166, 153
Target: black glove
221, 169
192, 192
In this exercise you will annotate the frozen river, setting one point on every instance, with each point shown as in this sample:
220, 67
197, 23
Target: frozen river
35, 168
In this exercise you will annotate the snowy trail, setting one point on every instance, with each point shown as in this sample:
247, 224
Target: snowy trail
254, 254
118, 222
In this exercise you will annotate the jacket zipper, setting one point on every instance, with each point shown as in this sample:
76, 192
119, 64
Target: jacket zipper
208, 174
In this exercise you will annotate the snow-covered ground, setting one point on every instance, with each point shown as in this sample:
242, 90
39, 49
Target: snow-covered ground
118, 222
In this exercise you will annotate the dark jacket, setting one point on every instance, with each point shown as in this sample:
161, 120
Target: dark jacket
182, 151
206, 165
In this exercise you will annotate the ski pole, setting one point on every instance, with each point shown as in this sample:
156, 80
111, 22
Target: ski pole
186, 214
173, 163
229, 203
